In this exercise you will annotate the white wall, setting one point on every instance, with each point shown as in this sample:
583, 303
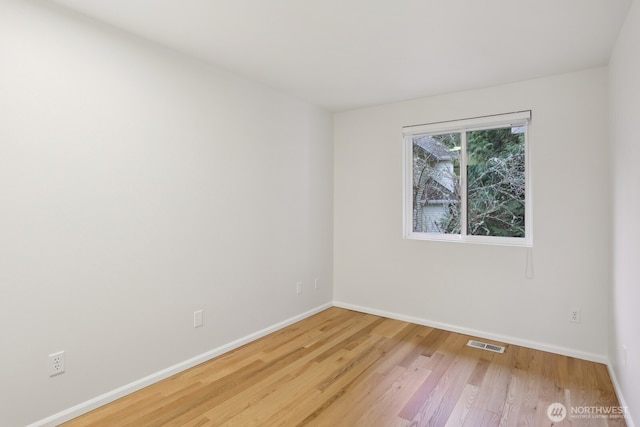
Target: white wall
625, 111
137, 186
479, 287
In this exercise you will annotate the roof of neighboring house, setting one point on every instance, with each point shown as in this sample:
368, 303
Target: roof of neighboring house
436, 192
434, 148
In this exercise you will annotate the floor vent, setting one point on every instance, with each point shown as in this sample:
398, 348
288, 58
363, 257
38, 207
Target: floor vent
485, 346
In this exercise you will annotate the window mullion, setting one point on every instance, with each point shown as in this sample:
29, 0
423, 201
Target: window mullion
463, 184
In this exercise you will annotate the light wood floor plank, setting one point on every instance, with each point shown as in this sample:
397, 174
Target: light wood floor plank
392, 397
344, 368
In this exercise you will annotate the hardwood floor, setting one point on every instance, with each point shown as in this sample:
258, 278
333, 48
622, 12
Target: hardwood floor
344, 368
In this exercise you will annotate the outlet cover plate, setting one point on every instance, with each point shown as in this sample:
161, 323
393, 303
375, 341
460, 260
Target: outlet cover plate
574, 315
197, 319
56, 363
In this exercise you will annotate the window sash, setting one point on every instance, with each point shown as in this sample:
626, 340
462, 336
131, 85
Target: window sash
516, 119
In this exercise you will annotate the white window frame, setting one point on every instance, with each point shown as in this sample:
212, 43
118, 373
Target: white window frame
516, 119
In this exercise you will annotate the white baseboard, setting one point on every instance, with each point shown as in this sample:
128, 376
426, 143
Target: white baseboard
621, 400
477, 333
113, 395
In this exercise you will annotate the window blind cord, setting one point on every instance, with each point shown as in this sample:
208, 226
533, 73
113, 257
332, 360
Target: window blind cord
529, 264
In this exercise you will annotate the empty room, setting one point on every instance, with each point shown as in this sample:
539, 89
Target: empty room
322, 213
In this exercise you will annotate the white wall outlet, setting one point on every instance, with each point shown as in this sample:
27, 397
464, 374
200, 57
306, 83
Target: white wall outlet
56, 363
624, 355
316, 284
197, 319
299, 288
574, 315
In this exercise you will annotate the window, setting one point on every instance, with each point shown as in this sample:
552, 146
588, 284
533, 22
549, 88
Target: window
468, 180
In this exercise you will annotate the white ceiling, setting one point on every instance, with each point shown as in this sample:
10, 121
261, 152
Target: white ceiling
343, 54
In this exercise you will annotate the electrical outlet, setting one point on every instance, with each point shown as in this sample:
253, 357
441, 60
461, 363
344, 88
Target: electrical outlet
316, 284
299, 288
624, 355
56, 363
197, 319
574, 315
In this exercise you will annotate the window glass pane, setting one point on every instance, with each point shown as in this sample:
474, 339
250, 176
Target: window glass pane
436, 183
496, 182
